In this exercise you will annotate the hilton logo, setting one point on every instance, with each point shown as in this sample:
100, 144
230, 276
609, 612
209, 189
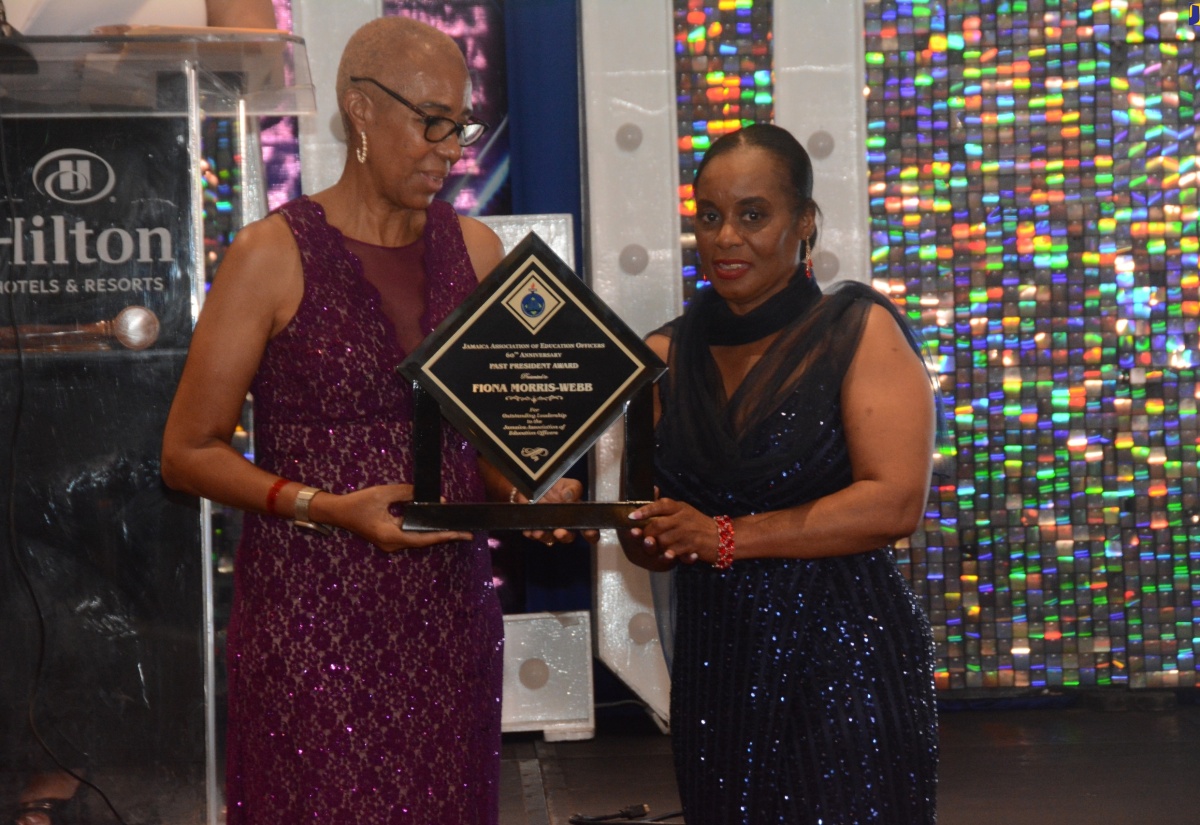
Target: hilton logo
74, 176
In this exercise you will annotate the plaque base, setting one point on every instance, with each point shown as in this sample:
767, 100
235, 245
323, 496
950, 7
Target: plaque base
584, 515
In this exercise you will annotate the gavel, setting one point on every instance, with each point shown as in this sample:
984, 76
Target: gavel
134, 327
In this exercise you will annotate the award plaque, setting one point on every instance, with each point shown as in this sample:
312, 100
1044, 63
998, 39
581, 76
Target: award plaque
531, 369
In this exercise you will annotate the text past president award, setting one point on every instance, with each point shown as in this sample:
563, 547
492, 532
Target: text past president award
531, 368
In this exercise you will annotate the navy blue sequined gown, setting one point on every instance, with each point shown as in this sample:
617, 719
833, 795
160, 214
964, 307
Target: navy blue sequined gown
802, 690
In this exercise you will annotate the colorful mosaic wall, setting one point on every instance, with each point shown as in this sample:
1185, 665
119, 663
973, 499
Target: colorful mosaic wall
723, 60
1033, 184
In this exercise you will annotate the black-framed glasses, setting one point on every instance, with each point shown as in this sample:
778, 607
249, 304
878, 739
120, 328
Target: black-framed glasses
437, 128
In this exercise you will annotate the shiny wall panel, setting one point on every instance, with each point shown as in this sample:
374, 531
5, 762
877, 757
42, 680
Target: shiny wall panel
1033, 185
633, 259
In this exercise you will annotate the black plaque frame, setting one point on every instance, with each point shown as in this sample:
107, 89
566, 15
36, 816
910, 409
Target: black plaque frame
447, 362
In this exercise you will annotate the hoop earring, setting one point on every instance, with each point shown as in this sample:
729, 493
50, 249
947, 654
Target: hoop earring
361, 151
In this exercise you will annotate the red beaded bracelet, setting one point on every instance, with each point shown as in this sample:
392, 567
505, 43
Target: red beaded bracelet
725, 542
273, 493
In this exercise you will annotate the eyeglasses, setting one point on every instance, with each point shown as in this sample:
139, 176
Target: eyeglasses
437, 128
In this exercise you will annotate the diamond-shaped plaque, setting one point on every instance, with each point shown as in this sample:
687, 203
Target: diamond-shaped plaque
531, 368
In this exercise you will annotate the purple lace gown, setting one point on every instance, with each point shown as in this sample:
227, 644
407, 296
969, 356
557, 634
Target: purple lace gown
363, 686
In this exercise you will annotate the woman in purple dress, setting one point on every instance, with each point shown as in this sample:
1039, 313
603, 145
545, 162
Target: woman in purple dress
364, 660
794, 440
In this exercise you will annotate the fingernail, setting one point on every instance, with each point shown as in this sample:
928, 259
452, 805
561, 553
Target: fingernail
635, 515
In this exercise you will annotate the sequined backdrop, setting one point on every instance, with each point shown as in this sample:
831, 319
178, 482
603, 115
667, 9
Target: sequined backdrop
1033, 174
1033, 184
723, 60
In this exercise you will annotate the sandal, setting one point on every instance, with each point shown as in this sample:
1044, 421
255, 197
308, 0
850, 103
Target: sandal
38, 811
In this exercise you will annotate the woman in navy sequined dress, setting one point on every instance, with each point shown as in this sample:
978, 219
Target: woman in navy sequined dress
795, 435
364, 660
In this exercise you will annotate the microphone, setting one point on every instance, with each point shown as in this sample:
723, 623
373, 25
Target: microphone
134, 328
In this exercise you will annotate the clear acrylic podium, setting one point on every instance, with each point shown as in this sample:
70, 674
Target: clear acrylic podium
106, 578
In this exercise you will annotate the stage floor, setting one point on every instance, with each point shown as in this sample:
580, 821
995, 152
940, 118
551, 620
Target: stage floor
1124, 758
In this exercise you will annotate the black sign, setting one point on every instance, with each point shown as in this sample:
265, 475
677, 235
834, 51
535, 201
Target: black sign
100, 224
532, 368
101, 571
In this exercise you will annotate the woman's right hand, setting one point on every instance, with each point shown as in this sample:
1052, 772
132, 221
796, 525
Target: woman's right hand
645, 551
649, 556
369, 513
674, 533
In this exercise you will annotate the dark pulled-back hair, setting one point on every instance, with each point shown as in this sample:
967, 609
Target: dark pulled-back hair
786, 149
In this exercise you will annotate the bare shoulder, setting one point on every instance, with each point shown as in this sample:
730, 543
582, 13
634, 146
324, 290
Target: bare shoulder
263, 256
483, 245
262, 270
888, 409
884, 360
273, 228
476, 230
883, 337
659, 344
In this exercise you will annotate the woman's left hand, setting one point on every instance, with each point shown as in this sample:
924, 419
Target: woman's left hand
678, 531
564, 491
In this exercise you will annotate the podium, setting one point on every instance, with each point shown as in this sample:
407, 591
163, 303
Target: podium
106, 579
